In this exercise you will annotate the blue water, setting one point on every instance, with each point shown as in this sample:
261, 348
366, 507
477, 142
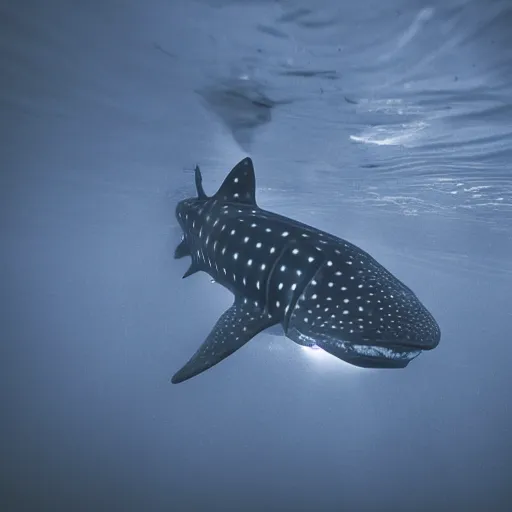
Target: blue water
386, 123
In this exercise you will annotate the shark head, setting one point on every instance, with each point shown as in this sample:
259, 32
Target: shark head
322, 290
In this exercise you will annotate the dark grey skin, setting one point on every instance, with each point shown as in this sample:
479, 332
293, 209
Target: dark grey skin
322, 290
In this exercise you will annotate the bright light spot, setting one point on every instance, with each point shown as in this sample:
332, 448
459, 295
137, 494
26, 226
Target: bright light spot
319, 356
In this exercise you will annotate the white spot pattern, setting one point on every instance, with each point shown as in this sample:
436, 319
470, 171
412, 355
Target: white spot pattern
377, 309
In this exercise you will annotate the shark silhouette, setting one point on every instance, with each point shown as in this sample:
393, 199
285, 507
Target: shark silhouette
322, 290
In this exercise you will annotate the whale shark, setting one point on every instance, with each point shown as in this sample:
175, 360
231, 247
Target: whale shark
321, 290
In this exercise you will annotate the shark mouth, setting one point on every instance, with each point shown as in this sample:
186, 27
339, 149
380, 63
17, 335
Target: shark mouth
363, 356
372, 356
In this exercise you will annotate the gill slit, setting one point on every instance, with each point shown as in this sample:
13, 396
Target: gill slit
298, 293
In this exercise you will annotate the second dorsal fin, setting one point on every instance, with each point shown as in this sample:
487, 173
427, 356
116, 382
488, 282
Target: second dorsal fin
199, 183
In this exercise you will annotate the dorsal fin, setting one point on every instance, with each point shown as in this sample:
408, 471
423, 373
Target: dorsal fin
199, 184
239, 185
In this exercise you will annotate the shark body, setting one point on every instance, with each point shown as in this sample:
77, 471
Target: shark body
322, 290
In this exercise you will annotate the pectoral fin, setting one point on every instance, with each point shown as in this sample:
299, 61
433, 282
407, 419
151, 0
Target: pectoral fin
239, 324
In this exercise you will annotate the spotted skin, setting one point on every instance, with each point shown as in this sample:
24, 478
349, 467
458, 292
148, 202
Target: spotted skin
322, 290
